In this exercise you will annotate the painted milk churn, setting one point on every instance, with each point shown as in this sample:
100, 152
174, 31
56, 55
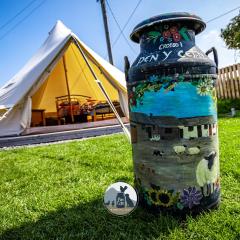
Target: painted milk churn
120, 198
173, 116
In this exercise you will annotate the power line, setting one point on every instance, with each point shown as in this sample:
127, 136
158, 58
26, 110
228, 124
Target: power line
18, 23
128, 20
121, 31
223, 14
21, 11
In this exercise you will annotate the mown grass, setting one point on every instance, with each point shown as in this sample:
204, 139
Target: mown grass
55, 192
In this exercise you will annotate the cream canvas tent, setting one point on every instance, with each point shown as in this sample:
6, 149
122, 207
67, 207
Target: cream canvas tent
43, 78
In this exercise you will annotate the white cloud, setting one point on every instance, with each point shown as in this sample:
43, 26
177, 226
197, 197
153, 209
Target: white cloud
213, 39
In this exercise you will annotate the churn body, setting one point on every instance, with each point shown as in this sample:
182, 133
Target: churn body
173, 116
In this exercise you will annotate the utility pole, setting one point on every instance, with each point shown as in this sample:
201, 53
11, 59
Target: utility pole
103, 6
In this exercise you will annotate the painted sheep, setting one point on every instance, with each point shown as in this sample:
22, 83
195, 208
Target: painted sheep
183, 149
179, 149
193, 150
207, 173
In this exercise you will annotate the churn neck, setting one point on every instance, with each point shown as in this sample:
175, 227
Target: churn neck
167, 35
168, 24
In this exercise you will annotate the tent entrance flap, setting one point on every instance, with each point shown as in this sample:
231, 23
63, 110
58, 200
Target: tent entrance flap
125, 130
71, 77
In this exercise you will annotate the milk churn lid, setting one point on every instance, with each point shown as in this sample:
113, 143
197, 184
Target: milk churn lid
195, 22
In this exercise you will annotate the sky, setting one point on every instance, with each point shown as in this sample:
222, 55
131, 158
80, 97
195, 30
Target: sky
21, 38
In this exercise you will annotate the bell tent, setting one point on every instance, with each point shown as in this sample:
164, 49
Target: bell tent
63, 66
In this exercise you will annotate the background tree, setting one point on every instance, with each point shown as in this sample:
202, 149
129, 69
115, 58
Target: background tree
231, 34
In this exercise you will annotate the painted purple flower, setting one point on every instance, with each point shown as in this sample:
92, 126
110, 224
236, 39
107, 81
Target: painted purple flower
190, 197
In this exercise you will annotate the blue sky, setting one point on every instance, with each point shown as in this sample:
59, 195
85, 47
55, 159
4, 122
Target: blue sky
85, 19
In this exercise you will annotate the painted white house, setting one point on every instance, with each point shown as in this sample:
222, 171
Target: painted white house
206, 130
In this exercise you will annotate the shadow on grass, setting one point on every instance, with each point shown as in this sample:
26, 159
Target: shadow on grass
92, 221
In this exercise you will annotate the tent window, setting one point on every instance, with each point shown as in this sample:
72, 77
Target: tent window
9, 85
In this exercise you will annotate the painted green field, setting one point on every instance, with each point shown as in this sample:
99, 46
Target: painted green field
55, 192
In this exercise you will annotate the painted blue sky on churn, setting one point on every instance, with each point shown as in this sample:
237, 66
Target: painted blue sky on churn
85, 19
177, 103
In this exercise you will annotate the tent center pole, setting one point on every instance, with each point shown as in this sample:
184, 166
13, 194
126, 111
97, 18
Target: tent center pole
68, 90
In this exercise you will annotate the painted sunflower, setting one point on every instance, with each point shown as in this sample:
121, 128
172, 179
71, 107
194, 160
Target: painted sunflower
203, 89
209, 81
152, 196
164, 198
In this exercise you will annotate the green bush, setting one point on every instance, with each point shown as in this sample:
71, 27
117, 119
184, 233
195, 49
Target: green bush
225, 105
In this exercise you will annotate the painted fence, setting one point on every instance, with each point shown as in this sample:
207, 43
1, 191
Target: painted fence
228, 83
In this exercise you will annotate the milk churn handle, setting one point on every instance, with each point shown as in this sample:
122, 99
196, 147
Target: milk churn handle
215, 55
126, 67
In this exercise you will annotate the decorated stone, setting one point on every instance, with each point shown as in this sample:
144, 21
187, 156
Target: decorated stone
173, 116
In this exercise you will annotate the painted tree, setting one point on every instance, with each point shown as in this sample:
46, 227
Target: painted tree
231, 34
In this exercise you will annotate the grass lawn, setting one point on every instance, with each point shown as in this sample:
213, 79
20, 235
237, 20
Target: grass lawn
55, 192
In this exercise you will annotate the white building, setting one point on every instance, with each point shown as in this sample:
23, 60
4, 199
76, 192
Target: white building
205, 130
